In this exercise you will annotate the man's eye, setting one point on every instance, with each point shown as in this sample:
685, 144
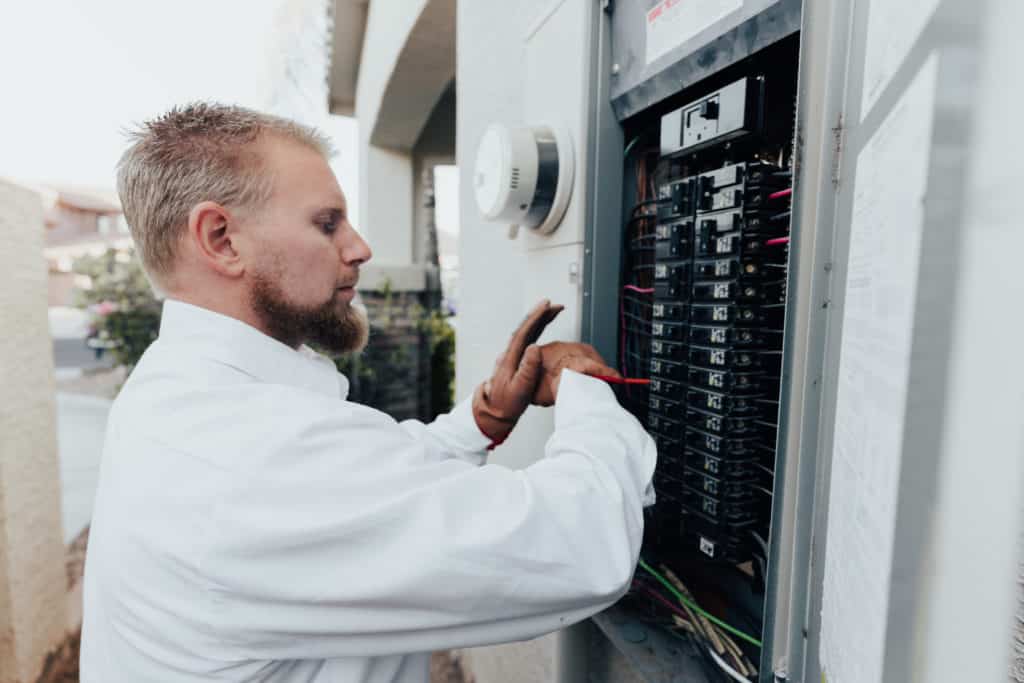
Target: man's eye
328, 227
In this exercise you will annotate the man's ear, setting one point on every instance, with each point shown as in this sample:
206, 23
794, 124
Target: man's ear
210, 230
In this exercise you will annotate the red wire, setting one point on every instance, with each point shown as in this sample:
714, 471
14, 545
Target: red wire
777, 240
663, 601
641, 290
781, 193
622, 380
622, 333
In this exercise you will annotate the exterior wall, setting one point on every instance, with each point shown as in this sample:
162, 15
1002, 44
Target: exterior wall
492, 269
32, 580
407, 63
386, 175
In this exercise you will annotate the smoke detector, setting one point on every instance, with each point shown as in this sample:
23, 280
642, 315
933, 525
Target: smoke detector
523, 176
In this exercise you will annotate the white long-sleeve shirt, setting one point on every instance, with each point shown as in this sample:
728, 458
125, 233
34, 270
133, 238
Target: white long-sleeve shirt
251, 524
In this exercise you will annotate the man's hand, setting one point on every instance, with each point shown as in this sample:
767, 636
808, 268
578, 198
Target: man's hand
557, 356
500, 401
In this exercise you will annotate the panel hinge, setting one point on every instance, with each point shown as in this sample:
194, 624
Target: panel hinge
837, 151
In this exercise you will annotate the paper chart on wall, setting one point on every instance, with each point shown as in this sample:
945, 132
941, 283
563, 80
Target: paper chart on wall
881, 283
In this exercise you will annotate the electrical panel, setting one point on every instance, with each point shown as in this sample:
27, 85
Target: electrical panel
708, 185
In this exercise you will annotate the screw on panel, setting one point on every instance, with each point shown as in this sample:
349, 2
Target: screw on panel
615, 69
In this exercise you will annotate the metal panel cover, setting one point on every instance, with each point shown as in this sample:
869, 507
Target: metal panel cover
660, 47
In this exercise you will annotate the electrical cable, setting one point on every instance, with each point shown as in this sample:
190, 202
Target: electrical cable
760, 541
621, 380
777, 240
696, 608
781, 193
640, 290
657, 596
731, 672
649, 202
630, 146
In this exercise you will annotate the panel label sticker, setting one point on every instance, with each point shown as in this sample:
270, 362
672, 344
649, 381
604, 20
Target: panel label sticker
670, 23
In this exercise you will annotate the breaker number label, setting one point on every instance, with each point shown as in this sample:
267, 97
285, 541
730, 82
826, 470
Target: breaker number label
722, 267
707, 547
718, 335
720, 313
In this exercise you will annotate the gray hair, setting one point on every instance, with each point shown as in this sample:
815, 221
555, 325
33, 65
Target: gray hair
199, 152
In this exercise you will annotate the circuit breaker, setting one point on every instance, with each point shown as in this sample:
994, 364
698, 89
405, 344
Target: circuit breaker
718, 299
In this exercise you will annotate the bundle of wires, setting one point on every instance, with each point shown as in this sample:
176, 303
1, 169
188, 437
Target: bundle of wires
636, 297
713, 637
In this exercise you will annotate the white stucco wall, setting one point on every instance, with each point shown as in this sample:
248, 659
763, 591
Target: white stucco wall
492, 268
297, 62
386, 181
32, 580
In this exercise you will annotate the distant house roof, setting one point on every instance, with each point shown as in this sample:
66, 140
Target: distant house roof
97, 201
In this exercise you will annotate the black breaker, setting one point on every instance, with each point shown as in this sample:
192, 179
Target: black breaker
715, 349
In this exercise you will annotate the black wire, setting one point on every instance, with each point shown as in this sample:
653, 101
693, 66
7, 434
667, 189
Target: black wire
640, 217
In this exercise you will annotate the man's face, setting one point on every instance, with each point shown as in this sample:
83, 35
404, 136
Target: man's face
304, 254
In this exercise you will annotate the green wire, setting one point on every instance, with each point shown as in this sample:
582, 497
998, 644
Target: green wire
630, 145
692, 605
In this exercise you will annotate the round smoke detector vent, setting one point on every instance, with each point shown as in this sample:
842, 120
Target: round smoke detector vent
523, 175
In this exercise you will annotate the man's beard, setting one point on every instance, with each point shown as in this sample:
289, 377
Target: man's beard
321, 326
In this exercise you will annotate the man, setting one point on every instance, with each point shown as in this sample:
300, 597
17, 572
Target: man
253, 525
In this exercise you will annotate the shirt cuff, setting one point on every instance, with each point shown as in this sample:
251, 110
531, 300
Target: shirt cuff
462, 418
577, 393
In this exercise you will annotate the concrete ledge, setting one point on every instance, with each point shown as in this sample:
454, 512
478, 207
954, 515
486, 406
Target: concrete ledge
400, 278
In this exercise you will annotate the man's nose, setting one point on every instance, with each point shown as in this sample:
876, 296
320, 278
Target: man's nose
355, 250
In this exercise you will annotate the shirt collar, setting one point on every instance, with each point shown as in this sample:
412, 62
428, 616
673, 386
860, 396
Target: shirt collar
230, 341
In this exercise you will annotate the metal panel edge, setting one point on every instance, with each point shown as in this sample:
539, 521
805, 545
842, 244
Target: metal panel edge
603, 231
797, 502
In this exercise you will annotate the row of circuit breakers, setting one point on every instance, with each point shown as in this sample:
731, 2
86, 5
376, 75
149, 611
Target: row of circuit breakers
716, 339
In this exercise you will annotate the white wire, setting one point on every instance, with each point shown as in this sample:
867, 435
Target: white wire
732, 673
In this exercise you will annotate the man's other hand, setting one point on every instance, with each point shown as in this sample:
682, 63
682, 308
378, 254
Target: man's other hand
500, 401
557, 356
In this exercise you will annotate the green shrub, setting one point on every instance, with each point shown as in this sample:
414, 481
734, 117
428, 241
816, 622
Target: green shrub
126, 320
125, 312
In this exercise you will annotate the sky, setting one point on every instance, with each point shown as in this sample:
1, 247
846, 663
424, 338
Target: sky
74, 74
